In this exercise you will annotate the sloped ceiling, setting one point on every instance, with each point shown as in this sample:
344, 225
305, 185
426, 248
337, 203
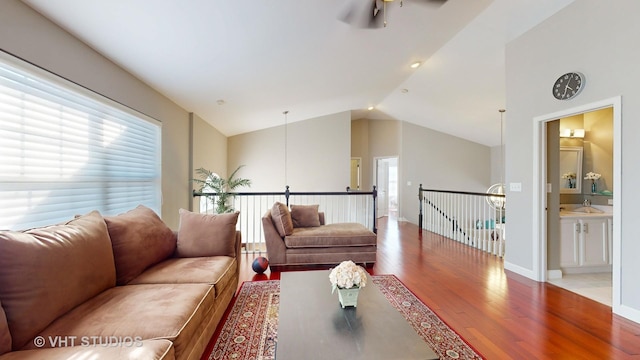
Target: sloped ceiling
239, 64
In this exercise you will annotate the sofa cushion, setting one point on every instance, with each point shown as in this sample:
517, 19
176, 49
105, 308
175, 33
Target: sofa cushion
48, 271
282, 219
174, 312
139, 239
213, 270
331, 235
5, 335
207, 234
146, 349
305, 216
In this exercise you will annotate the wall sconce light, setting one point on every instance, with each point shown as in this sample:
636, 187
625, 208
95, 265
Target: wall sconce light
572, 133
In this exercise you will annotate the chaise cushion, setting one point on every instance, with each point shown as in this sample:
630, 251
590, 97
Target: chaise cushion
139, 239
305, 216
282, 219
206, 234
331, 235
48, 271
5, 335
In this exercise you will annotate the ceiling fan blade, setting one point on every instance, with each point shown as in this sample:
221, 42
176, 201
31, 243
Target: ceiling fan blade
357, 14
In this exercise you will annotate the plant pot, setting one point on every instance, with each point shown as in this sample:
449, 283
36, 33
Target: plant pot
348, 297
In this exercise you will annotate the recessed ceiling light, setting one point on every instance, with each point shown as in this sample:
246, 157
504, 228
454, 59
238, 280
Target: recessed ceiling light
404, 91
416, 65
220, 102
370, 108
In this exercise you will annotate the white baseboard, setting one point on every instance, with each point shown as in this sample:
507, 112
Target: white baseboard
627, 312
521, 271
554, 274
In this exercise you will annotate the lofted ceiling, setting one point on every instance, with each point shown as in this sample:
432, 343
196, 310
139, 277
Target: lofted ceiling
239, 64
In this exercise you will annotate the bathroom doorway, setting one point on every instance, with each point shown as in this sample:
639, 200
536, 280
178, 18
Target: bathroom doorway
578, 272
580, 174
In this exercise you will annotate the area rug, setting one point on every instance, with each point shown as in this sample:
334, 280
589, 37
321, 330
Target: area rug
250, 330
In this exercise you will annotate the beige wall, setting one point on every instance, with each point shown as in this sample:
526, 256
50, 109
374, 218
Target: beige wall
28, 35
372, 139
208, 150
439, 161
318, 155
360, 149
603, 51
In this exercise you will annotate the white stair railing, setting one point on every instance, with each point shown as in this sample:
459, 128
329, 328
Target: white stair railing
466, 217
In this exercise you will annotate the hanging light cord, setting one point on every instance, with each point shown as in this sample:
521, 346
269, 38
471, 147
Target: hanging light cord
286, 182
502, 149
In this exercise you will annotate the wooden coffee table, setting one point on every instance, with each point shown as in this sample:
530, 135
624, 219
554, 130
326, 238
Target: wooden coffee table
312, 325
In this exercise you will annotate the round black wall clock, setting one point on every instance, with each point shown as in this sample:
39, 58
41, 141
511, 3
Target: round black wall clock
568, 86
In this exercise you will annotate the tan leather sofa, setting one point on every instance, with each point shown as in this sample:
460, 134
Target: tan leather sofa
300, 237
120, 287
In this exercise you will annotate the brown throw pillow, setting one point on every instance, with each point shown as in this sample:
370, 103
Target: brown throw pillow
139, 239
282, 219
47, 271
206, 234
305, 216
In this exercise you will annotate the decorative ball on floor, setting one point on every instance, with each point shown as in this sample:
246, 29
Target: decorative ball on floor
260, 264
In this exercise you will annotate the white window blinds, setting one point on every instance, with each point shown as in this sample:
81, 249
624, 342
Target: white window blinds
65, 151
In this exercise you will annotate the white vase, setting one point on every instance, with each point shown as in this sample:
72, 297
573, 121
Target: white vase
348, 297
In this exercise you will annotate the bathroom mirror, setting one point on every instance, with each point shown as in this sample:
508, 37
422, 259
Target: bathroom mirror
570, 170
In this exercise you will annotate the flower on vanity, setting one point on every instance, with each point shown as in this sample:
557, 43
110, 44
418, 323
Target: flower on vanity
592, 176
347, 275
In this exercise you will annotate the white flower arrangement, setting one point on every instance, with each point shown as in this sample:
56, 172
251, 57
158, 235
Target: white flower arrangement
592, 176
569, 175
347, 275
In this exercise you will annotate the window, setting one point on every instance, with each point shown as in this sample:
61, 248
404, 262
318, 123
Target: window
66, 151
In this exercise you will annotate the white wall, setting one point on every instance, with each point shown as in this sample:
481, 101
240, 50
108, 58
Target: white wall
318, 155
599, 39
30, 36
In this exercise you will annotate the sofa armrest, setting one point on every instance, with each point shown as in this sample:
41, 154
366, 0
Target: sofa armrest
276, 250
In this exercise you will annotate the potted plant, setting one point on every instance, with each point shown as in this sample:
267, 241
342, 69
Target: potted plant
348, 278
222, 188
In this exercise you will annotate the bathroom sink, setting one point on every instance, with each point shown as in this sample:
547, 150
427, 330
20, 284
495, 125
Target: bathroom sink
581, 211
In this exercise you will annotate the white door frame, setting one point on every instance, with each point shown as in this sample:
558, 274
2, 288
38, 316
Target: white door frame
375, 177
540, 186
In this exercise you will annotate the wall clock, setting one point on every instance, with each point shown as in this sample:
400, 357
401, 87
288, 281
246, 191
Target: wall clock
568, 86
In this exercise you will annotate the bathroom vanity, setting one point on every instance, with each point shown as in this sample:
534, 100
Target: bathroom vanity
585, 239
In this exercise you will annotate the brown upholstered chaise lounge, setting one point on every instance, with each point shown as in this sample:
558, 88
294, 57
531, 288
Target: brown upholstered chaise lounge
301, 237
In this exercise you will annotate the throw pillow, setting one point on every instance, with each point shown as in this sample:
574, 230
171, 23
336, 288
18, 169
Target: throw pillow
207, 234
282, 219
47, 271
305, 216
139, 239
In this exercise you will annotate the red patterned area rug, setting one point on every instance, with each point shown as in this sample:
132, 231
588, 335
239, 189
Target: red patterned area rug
250, 330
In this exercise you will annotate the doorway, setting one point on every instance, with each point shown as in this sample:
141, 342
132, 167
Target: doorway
542, 186
386, 182
579, 211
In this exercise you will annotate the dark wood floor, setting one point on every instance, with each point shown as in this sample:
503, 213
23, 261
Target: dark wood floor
501, 314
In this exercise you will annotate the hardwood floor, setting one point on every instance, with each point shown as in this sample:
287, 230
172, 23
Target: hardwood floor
501, 314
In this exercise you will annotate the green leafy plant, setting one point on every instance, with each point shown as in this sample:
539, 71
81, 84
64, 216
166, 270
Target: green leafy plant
211, 182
